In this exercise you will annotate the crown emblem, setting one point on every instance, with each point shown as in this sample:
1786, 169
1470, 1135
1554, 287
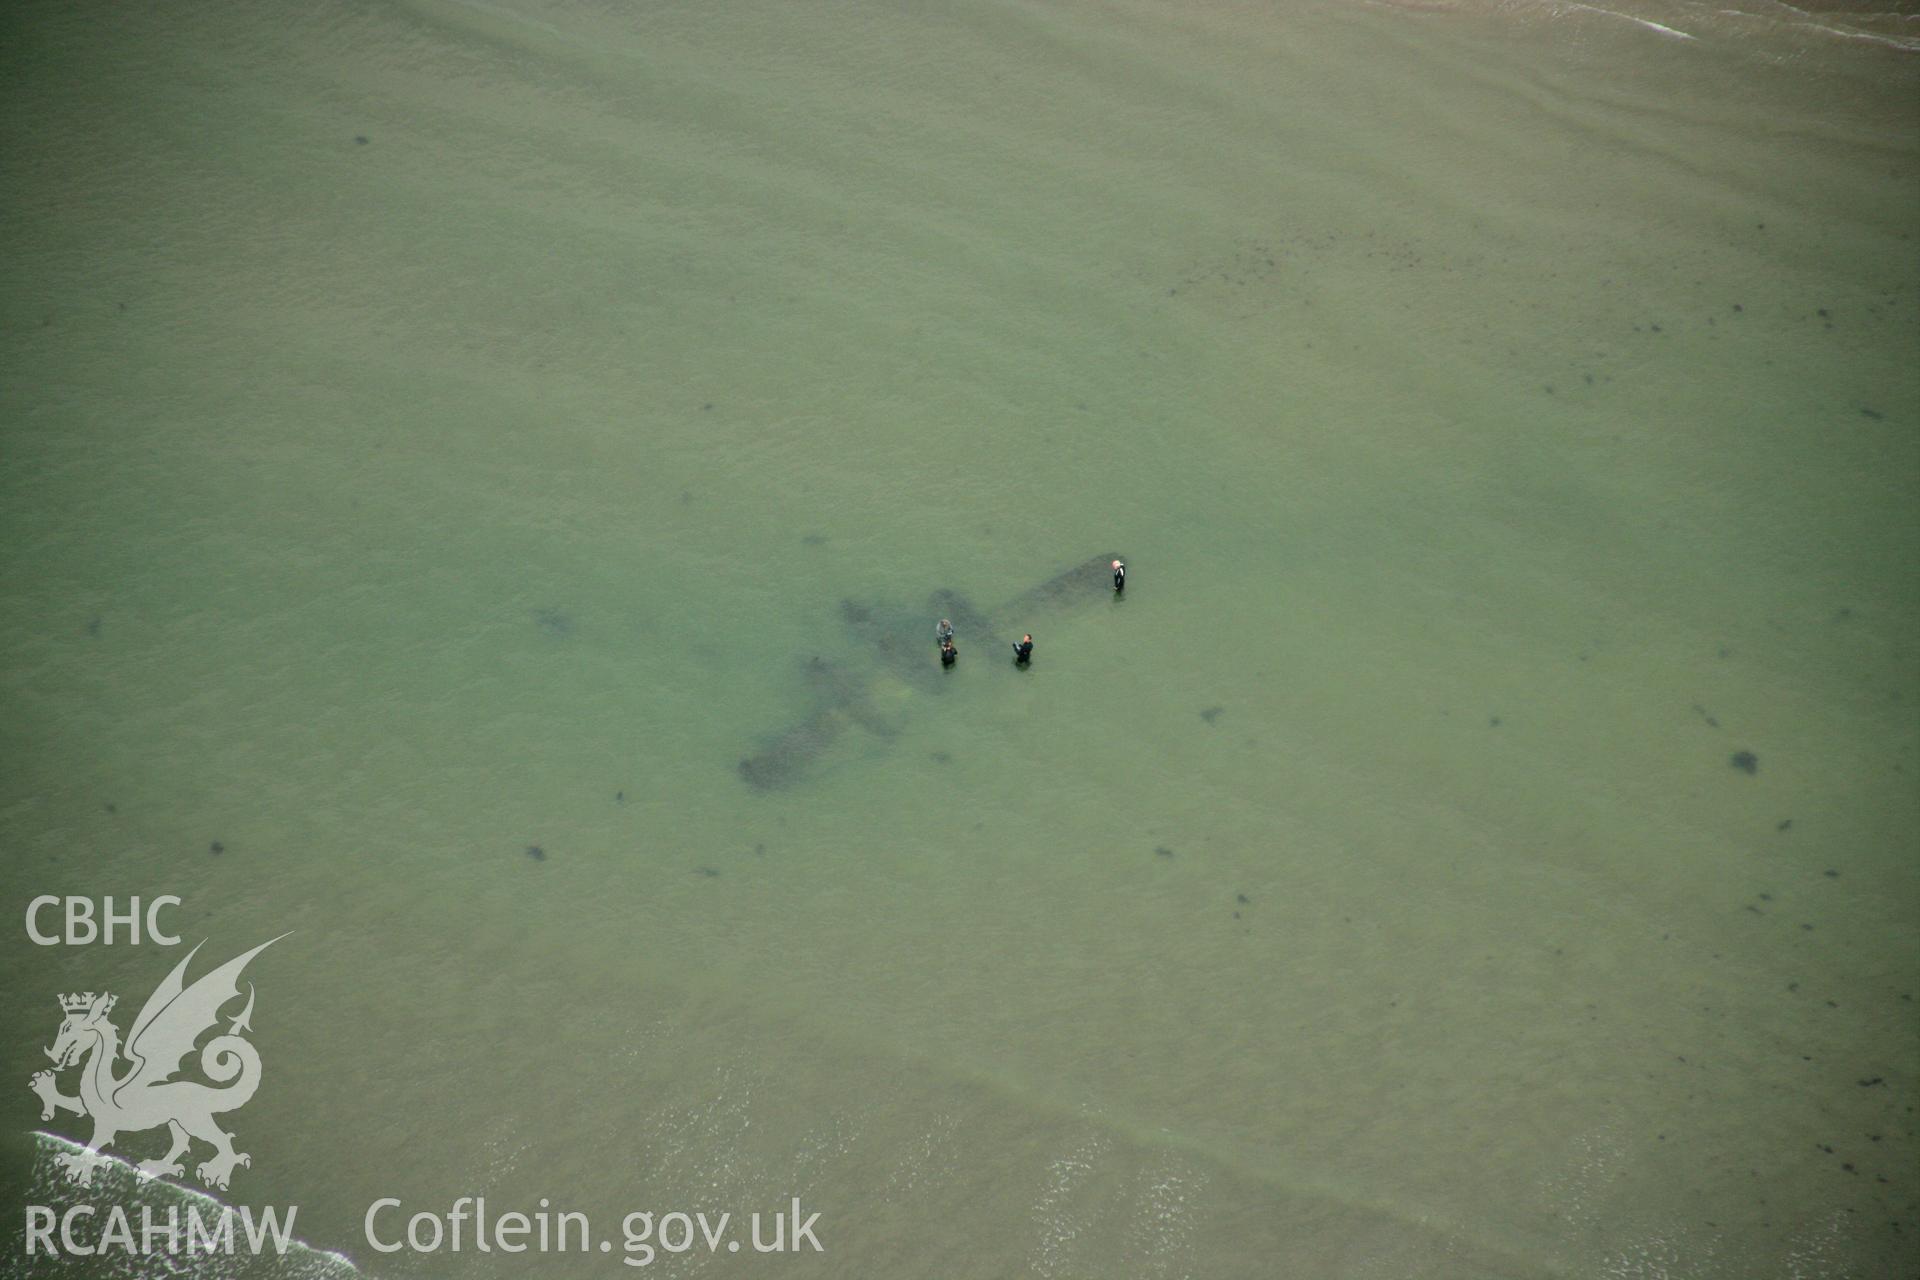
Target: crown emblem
80, 1002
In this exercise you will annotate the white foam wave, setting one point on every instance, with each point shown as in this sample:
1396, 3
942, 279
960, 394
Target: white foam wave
116, 1182
1672, 33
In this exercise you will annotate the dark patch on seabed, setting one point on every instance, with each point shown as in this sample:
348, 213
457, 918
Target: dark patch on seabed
901, 643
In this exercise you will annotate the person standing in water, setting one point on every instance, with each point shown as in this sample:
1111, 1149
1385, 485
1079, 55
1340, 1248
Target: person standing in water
1023, 650
1119, 575
943, 631
947, 652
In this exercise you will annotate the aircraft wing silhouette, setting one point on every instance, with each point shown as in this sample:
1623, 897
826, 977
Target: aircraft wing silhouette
848, 697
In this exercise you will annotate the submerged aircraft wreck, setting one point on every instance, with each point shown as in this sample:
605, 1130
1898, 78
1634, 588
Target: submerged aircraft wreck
871, 698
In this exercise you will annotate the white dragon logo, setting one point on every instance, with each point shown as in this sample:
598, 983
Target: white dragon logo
147, 1095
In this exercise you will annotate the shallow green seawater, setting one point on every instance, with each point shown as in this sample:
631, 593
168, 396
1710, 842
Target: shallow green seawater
436, 430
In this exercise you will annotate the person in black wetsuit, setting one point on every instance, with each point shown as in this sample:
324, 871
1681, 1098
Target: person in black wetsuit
1119, 575
948, 653
1023, 649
